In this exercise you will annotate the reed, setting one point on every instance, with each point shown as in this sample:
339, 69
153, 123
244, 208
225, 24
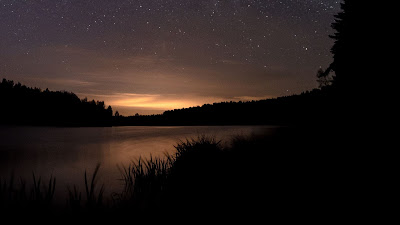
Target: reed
94, 195
145, 182
74, 198
200, 171
92, 198
43, 194
17, 195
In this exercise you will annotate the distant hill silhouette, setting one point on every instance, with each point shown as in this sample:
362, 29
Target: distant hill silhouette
21, 105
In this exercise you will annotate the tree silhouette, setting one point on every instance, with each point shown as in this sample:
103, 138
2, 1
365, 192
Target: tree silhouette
346, 47
323, 78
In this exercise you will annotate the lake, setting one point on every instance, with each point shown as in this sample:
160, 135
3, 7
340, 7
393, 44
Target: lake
65, 153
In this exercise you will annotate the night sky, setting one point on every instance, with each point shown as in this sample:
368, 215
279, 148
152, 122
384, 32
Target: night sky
148, 56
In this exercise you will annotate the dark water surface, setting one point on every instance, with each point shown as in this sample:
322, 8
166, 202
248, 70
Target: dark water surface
65, 153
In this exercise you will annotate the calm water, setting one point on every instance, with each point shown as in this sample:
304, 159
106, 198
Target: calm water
67, 152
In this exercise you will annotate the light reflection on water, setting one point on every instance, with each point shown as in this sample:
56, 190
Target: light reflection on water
67, 152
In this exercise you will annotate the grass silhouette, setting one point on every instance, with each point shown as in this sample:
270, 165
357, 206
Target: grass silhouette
17, 197
203, 176
94, 197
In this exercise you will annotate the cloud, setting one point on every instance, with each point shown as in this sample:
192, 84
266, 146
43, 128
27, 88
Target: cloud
70, 82
148, 83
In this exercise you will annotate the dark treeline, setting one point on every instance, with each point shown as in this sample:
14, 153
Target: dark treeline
338, 101
21, 105
303, 108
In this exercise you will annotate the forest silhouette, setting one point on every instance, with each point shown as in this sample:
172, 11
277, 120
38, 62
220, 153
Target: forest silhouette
23, 105
308, 107
32, 106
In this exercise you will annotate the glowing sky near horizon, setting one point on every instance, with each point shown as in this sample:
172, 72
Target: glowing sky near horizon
150, 56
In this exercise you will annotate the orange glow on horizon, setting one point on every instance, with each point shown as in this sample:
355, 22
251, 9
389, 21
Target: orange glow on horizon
158, 101
148, 102
170, 102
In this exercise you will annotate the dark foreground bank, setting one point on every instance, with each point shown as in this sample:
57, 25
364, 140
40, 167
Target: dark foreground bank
294, 172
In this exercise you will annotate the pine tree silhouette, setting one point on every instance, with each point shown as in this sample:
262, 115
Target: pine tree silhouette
346, 48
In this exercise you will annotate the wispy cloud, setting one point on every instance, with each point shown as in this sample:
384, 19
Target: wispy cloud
148, 82
250, 98
70, 82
